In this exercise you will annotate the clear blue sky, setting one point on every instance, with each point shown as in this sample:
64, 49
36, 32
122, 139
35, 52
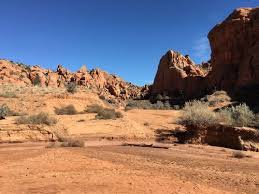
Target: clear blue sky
125, 37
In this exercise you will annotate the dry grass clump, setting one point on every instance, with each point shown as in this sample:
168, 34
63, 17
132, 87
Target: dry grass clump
41, 118
146, 104
103, 113
8, 94
107, 113
3, 111
95, 108
66, 110
238, 116
72, 142
6, 111
66, 140
197, 113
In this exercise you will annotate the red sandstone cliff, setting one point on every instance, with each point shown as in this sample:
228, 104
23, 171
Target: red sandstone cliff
234, 59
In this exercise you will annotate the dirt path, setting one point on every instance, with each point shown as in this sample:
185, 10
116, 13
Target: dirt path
32, 168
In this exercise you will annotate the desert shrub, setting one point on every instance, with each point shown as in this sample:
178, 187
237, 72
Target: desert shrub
197, 113
238, 116
71, 87
107, 113
111, 101
36, 81
3, 111
72, 142
146, 104
67, 141
41, 118
95, 108
239, 154
6, 111
176, 107
8, 95
66, 110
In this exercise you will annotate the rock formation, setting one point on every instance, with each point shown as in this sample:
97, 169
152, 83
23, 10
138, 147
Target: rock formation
96, 79
176, 74
234, 60
240, 138
235, 50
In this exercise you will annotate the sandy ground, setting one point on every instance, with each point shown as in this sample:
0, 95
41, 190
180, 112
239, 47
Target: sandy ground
104, 165
32, 168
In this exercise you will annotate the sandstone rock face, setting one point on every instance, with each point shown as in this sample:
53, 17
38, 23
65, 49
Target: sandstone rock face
240, 138
235, 50
234, 60
176, 74
97, 80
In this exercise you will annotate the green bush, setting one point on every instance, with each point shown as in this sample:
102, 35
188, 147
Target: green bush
197, 113
41, 118
238, 116
66, 110
71, 87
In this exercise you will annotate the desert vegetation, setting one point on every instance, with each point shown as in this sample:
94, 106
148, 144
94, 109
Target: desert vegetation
198, 113
238, 116
146, 104
8, 94
71, 87
41, 118
66, 110
103, 113
6, 111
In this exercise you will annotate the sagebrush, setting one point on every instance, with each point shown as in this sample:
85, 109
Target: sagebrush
198, 113
66, 110
41, 118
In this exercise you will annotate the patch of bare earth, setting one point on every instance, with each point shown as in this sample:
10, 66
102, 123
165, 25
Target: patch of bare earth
32, 168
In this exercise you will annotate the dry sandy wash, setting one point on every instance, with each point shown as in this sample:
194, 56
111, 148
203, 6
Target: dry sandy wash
105, 165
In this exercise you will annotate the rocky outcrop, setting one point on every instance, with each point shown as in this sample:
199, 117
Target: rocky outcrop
30, 133
240, 138
177, 74
97, 80
234, 60
235, 50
